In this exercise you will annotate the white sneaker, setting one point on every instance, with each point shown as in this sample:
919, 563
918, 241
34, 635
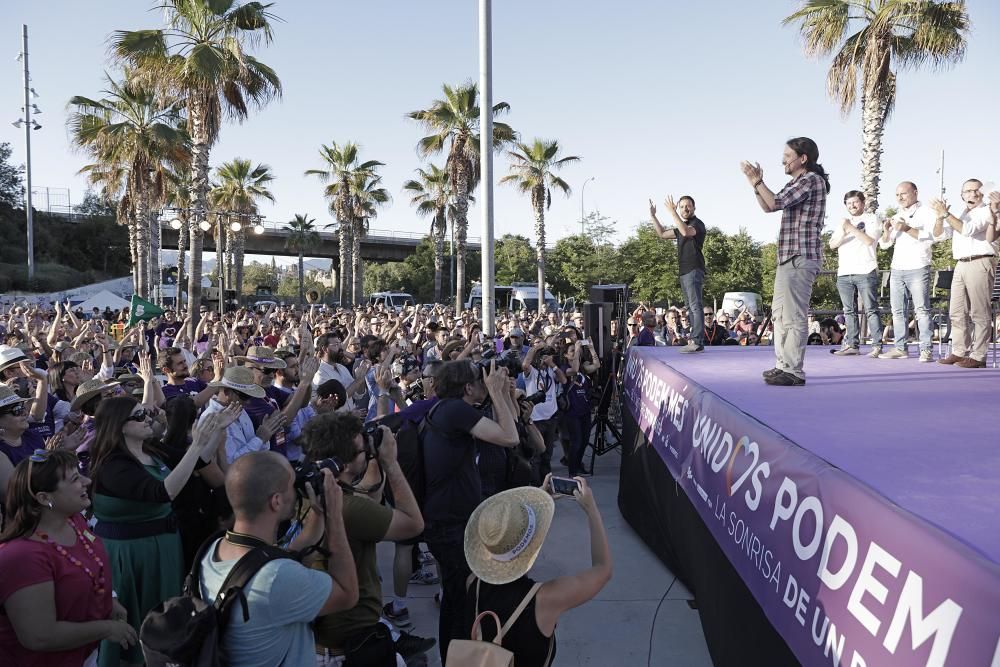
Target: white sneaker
876, 351
846, 351
926, 356
691, 348
894, 353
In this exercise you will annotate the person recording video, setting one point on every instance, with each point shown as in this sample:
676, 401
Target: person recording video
541, 376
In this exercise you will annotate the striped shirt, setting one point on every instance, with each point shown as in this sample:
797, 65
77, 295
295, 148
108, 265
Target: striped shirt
803, 211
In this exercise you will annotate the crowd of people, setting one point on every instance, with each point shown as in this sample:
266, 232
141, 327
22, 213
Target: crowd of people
129, 459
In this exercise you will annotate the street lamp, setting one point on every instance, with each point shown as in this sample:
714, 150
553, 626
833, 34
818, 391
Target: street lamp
582, 191
176, 223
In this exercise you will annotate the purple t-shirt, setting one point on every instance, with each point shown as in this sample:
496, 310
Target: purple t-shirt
645, 338
30, 441
191, 387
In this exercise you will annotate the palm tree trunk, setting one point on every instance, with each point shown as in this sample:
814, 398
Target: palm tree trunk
302, 287
133, 248
241, 243
155, 275
142, 248
182, 236
356, 277
440, 227
346, 284
199, 183
873, 112
230, 243
540, 251
461, 231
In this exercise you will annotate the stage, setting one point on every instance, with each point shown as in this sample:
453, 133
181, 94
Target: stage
857, 514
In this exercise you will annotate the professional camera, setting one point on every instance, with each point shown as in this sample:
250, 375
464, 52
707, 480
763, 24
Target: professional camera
415, 391
547, 351
508, 359
311, 472
373, 439
536, 398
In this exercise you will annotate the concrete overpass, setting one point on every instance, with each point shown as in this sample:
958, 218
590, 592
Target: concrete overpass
380, 245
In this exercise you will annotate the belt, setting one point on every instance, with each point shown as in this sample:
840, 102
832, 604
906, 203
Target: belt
327, 651
974, 258
111, 530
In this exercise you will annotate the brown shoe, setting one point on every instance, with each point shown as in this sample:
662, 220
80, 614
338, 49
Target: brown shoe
951, 359
969, 362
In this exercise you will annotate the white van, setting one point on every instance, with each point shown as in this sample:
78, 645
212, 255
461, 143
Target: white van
393, 301
524, 296
501, 297
734, 302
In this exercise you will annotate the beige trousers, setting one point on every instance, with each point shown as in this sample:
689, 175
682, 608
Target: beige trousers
969, 309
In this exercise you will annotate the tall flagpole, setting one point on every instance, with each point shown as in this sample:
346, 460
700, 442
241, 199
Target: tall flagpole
27, 150
486, 159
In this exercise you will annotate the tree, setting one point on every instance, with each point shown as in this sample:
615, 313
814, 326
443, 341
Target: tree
302, 235
340, 173
132, 128
95, 205
10, 178
532, 172
239, 187
367, 196
514, 259
255, 275
900, 34
649, 265
431, 196
179, 195
454, 126
202, 56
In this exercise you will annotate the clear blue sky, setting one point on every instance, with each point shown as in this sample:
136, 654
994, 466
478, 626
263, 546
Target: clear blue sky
656, 97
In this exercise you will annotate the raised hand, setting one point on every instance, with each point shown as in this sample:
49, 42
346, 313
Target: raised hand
940, 207
145, 367
753, 172
652, 209
669, 202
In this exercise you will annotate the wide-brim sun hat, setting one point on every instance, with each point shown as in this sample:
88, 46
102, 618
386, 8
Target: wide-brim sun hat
240, 378
9, 397
259, 356
88, 390
11, 356
506, 532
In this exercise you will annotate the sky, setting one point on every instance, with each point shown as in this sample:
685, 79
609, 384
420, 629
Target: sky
656, 97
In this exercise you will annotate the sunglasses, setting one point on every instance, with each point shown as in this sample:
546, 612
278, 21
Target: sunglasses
140, 416
267, 371
15, 411
39, 456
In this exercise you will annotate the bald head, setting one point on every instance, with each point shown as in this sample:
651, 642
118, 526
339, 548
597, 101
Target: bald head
254, 479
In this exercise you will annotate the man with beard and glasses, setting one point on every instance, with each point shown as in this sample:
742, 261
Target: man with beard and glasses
975, 271
334, 366
174, 365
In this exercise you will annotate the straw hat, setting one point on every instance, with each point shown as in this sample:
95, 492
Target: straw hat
9, 397
88, 390
453, 346
240, 378
259, 356
129, 377
505, 533
11, 356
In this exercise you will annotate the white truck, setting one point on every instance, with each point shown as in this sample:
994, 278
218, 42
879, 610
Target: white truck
515, 297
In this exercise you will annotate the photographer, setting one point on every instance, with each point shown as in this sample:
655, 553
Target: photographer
356, 633
541, 375
453, 485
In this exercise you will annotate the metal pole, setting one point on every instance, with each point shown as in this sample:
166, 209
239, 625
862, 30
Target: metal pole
942, 173
27, 150
451, 253
486, 158
583, 190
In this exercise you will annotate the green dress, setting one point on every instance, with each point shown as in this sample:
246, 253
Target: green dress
145, 571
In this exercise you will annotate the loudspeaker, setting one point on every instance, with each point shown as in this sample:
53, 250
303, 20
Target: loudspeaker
597, 325
609, 294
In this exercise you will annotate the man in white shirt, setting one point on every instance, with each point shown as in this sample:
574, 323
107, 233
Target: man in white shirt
331, 349
972, 282
854, 240
542, 375
910, 234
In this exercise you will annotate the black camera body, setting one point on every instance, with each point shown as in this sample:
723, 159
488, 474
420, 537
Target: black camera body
536, 398
547, 351
510, 360
373, 438
311, 472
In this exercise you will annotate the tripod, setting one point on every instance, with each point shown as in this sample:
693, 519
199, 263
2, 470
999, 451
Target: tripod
600, 443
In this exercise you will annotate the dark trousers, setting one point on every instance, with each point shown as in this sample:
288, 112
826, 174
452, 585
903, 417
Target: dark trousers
579, 437
541, 464
446, 543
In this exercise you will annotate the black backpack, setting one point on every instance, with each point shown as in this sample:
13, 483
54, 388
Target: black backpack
410, 451
186, 631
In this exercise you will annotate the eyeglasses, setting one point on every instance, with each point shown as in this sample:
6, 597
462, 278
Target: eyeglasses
140, 416
15, 411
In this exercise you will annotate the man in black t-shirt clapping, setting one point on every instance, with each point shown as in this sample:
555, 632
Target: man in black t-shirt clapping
453, 485
690, 236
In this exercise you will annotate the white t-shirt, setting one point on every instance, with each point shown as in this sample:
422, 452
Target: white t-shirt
912, 253
854, 257
336, 372
534, 382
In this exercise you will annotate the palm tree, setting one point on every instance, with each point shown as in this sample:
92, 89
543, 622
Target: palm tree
131, 133
239, 187
454, 125
532, 172
367, 196
872, 37
341, 169
201, 55
431, 195
178, 195
302, 235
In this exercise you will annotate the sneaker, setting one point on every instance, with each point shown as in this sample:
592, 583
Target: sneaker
424, 577
846, 351
894, 353
410, 646
426, 558
400, 620
774, 372
785, 380
875, 352
969, 362
926, 356
951, 359
691, 348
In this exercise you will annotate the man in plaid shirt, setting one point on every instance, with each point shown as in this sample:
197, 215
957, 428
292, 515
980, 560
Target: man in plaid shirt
800, 255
